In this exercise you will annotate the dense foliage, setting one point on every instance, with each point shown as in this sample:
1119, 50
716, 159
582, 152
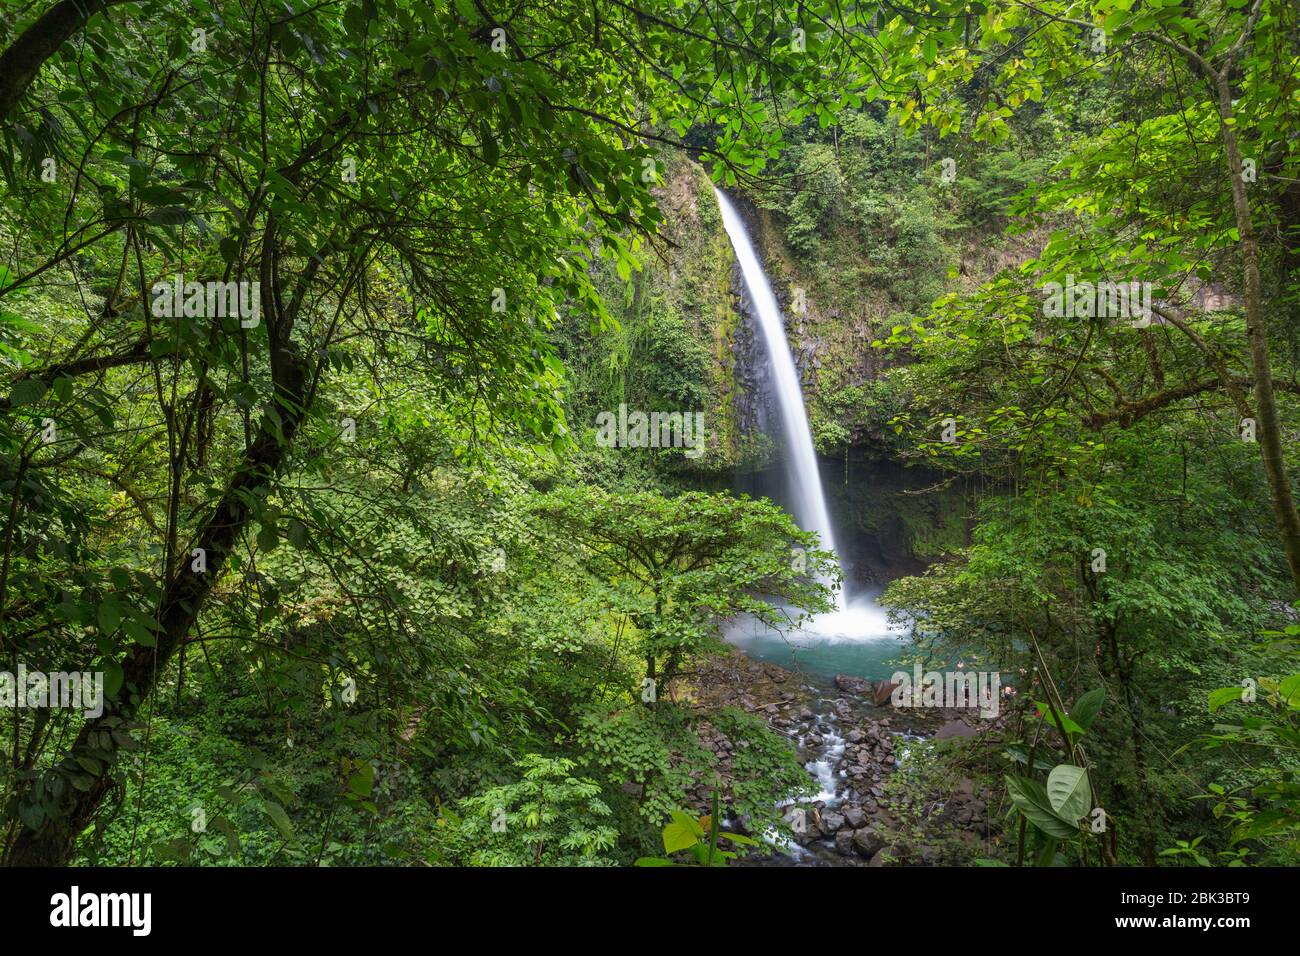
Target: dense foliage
335, 523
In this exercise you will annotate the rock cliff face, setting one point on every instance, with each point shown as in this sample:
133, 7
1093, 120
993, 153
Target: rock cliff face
695, 281
692, 279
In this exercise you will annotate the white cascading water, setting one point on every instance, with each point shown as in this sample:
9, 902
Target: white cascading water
809, 502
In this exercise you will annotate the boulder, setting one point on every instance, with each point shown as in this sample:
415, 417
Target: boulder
955, 728
881, 692
867, 841
844, 842
855, 818
830, 822
850, 684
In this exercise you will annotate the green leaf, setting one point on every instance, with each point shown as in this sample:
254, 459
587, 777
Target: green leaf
279, 818
491, 152
1031, 800
683, 832
363, 781
113, 678
168, 216
139, 634
1086, 708
26, 391
1071, 728
1068, 791
109, 615
1046, 855
225, 827
1223, 696
1289, 691
267, 537
1020, 754
31, 814
296, 532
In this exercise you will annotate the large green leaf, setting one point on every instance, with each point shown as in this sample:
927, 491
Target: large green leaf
26, 391
1031, 800
1068, 791
279, 818
1223, 696
1289, 690
1086, 708
1020, 754
1071, 727
683, 832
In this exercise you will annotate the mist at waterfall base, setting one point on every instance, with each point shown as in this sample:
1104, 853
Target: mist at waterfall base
856, 637
859, 641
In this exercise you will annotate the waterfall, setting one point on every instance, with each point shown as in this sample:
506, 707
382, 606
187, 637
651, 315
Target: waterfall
809, 504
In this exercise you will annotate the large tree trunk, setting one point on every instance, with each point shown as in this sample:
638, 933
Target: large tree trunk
1269, 424
185, 592
27, 54
183, 597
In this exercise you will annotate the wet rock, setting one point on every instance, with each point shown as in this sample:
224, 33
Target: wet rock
867, 841
955, 728
844, 842
882, 691
850, 684
855, 818
830, 822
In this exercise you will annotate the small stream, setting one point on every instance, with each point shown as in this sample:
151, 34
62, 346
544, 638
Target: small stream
857, 641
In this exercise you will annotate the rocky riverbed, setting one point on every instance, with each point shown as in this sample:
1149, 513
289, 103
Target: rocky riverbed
850, 747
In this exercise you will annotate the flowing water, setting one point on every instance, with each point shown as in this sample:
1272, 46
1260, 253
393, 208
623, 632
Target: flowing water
809, 505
